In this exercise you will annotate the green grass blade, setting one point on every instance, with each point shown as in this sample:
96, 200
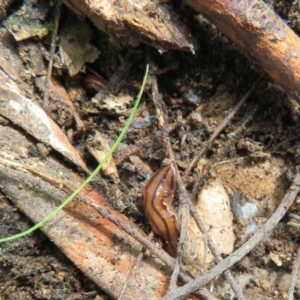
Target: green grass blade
94, 173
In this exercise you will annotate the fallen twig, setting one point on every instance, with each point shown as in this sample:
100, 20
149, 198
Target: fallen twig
105, 212
51, 54
221, 127
294, 276
186, 202
156, 97
133, 270
245, 248
255, 27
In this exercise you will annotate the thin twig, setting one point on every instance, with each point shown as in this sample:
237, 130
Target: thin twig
105, 212
175, 273
221, 127
285, 141
218, 258
133, 270
235, 135
245, 248
132, 231
185, 198
52, 51
294, 276
183, 211
295, 216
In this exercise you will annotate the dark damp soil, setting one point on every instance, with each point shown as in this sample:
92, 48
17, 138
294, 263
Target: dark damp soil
198, 92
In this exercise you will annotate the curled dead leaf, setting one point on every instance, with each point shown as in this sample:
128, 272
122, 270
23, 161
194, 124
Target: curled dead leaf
99, 147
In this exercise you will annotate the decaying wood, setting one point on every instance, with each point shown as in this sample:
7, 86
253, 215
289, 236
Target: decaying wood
96, 243
99, 248
21, 110
152, 22
255, 27
251, 24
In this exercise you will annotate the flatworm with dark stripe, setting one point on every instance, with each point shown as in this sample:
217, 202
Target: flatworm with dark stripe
158, 194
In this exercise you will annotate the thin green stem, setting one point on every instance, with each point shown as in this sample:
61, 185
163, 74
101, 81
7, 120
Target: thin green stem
94, 173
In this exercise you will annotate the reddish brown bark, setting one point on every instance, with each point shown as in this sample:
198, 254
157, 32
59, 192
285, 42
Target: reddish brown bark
261, 33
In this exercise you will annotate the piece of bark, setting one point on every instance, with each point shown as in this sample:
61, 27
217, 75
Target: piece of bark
255, 27
18, 106
99, 248
59, 107
151, 22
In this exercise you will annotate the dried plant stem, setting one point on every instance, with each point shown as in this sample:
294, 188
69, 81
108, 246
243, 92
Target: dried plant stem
133, 231
133, 270
294, 276
223, 124
185, 198
51, 54
245, 248
259, 31
156, 97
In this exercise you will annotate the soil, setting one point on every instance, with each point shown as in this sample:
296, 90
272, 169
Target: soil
255, 156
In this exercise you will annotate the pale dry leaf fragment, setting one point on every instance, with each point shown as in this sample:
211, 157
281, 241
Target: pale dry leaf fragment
24, 112
213, 206
152, 22
75, 46
275, 258
99, 147
118, 104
